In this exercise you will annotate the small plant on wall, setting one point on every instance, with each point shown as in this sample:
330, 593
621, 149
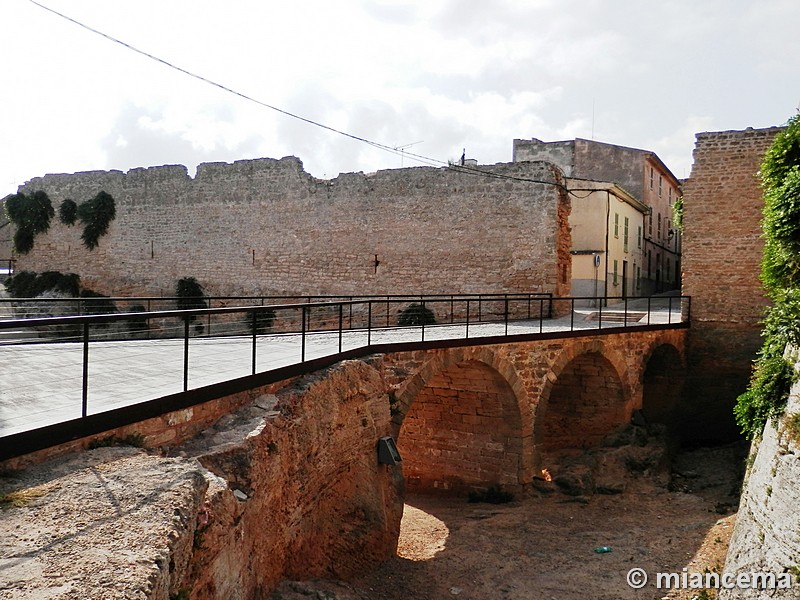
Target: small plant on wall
190, 296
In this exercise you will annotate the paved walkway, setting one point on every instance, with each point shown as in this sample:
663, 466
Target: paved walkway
41, 383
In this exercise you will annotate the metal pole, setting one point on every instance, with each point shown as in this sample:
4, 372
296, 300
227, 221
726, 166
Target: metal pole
466, 336
625, 316
85, 392
572, 315
340, 328
541, 313
185, 353
506, 313
648, 309
669, 311
423, 320
369, 322
600, 317
255, 328
303, 335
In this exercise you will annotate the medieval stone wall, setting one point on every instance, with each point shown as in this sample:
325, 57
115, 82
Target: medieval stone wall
721, 266
267, 227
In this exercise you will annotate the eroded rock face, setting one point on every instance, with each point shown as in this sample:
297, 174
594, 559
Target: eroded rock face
767, 533
301, 494
286, 487
109, 523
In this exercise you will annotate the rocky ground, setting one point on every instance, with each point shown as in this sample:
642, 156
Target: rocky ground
543, 546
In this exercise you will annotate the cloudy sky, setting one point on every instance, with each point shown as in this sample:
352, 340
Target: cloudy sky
427, 76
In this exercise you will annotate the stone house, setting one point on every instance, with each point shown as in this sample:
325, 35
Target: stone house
645, 177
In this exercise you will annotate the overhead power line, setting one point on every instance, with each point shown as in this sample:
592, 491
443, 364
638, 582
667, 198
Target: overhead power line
394, 150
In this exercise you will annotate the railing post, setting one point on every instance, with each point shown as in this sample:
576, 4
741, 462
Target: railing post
649, 298
529, 307
185, 353
505, 313
303, 334
423, 319
572, 314
369, 322
625, 315
452, 310
669, 311
466, 333
387, 311
254, 325
541, 312
480, 309
600, 314
85, 391
340, 328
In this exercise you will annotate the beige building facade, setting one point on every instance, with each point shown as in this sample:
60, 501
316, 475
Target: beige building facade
607, 226
644, 176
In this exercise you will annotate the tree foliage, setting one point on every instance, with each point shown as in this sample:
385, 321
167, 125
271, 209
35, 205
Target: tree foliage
773, 375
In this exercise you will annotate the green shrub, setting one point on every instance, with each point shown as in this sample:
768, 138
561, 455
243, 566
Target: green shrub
27, 284
138, 324
264, 318
94, 303
494, 495
416, 314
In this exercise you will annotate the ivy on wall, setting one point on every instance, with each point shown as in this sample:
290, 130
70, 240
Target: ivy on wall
31, 215
773, 374
96, 215
68, 212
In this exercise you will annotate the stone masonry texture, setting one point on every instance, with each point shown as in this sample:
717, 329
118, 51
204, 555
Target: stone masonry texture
766, 537
721, 266
267, 227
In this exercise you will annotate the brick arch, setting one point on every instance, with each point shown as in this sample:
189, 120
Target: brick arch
570, 400
662, 377
462, 423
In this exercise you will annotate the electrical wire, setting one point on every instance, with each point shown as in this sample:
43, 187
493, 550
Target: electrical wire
426, 160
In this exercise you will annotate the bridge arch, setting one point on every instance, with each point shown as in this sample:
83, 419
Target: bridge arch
465, 424
587, 392
663, 376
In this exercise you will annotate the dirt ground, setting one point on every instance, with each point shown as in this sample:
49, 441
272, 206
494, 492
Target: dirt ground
543, 546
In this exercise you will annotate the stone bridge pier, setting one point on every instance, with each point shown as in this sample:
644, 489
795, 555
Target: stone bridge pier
470, 417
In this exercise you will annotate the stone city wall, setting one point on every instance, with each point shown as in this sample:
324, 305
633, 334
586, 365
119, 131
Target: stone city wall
721, 266
267, 227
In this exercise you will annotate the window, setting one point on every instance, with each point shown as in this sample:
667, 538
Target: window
659, 226
615, 281
625, 235
650, 226
616, 225
639, 237
651, 178
660, 184
670, 196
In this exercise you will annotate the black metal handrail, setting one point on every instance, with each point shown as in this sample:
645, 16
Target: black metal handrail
527, 313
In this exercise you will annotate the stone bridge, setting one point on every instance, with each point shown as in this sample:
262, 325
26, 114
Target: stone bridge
300, 454
489, 414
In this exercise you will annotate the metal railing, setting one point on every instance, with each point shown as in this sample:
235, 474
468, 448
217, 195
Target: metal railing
70, 367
